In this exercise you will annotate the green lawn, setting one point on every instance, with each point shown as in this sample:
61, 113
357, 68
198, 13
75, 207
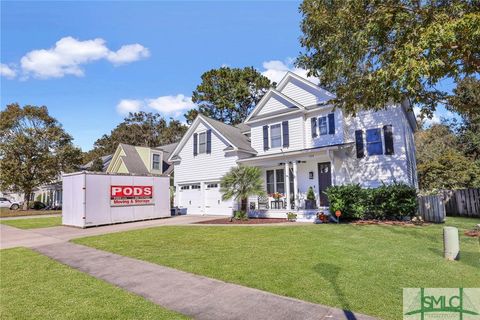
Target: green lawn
33, 286
360, 268
34, 223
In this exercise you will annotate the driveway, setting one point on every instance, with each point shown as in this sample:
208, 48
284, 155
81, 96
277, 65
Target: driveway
12, 237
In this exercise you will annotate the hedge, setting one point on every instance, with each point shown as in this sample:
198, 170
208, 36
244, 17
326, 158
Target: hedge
393, 201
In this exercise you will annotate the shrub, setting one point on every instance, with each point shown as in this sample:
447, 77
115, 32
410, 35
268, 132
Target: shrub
310, 194
291, 216
37, 205
241, 215
392, 201
349, 199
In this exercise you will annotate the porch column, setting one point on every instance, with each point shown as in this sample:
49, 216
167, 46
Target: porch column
287, 184
295, 184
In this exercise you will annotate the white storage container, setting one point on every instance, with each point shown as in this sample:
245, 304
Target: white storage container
93, 199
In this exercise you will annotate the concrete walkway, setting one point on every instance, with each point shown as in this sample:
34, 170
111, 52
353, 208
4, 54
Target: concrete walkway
12, 237
195, 296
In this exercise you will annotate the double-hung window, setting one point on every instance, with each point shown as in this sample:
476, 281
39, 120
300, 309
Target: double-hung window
202, 142
322, 126
275, 181
276, 136
156, 162
374, 141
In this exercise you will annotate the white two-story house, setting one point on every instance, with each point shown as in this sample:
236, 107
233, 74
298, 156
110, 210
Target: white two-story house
299, 141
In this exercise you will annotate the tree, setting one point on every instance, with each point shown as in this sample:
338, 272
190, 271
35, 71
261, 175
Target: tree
372, 52
97, 165
441, 164
139, 129
228, 94
34, 149
240, 183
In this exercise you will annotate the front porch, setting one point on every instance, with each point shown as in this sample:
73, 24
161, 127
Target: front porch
288, 178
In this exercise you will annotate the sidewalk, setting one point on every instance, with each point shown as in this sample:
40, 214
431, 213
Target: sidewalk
195, 296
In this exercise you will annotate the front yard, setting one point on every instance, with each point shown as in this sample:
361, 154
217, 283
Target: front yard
33, 223
33, 286
5, 212
360, 268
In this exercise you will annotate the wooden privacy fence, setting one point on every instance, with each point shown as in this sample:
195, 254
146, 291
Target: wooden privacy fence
431, 208
464, 202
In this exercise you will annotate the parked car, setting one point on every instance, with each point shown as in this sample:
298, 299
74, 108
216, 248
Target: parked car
7, 203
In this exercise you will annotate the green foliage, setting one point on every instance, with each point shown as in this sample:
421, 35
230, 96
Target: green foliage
441, 163
139, 129
240, 183
291, 216
37, 205
34, 149
349, 199
387, 201
369, 53
228, 94
241, 215
310, 194
97, 165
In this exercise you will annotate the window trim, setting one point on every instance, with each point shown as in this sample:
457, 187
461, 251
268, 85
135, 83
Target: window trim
271, 136
327, 124
381, 141
199, 151
319, 125
159, 161
275, 182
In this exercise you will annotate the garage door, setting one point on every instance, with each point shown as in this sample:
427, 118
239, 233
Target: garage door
213, 201
191, 198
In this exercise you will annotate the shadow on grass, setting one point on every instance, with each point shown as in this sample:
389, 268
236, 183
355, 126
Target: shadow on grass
468, 258
330, 273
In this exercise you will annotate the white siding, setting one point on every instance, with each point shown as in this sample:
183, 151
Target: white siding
372, 170
303, 93
275, 104
203, 167
295, 128
328, 139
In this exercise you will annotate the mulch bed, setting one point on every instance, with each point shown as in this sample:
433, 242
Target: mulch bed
249, 221
386, 223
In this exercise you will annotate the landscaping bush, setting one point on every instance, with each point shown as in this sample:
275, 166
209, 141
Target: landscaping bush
37, 205
393, 201
349, 199
241, 215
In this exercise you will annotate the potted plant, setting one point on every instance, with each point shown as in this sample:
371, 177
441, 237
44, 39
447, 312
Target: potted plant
310, 202
291, 216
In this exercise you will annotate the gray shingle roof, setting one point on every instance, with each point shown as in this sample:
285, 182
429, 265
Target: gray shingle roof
132, 160
233, 134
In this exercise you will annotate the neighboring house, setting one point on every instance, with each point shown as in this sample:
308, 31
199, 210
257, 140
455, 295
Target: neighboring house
105, 161
141, 160
299, 141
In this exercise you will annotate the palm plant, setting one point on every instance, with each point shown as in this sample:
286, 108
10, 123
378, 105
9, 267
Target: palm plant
240, 183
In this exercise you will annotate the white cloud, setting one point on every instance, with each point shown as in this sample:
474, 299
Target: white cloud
126, 105
275, 70
171, 104
128, 53
69, 54
7, 72
438, 115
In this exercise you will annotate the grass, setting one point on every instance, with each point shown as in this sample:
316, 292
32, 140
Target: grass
5, 212
33, 223
33, 286
359, 268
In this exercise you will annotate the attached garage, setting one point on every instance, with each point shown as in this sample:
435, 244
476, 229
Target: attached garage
203, 198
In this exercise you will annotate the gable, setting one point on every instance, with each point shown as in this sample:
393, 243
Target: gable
275, 104
304, 93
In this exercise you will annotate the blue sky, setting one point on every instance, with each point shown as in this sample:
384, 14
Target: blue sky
90, 62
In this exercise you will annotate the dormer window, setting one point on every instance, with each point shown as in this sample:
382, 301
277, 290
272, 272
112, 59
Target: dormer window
156, 161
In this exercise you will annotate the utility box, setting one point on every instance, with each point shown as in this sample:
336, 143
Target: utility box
94, 199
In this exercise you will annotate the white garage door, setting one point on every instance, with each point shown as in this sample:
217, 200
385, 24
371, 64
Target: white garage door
213, 200
191, 198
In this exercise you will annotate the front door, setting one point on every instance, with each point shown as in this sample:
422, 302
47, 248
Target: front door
324, 181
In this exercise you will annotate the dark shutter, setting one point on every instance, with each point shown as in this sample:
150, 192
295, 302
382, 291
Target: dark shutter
209, 141
388, 135
286, 141
314, 127
331, 123
195, 145
359, 143
265, 138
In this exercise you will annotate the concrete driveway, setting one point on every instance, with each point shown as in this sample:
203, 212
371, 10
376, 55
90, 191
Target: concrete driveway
12, 237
